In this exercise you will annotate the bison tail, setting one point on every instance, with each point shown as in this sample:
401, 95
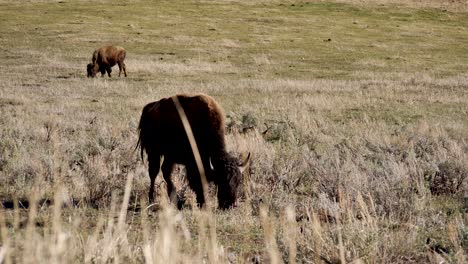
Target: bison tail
140, 142
144, 128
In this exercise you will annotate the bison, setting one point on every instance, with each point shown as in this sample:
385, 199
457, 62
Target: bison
104, 59
162, 134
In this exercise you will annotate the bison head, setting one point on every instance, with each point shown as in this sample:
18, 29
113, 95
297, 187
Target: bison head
90, 69
229, 176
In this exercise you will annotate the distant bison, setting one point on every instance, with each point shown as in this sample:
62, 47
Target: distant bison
104, 59
162, 134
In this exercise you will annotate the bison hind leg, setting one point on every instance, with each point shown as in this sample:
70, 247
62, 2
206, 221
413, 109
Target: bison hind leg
167, 168
154, 164
122, 67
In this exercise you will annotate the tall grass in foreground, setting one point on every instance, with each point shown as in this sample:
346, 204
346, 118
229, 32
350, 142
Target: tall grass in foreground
395, 214
170, 242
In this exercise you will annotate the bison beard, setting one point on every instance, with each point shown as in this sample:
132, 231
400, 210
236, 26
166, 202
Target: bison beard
162, 134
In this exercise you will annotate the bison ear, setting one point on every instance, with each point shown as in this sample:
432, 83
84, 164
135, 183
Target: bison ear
244, 164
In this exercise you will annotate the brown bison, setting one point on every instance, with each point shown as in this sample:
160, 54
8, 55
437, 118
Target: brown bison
104, 59
162, 134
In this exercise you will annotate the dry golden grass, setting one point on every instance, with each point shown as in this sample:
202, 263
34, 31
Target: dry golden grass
451, 5
359, 144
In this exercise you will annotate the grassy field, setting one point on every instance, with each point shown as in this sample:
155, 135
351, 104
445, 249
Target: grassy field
355, 114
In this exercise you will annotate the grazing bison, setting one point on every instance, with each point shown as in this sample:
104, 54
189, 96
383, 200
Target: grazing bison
162, 134
104, 59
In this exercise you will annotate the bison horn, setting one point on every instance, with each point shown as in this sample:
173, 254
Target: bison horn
244, 164
211, 164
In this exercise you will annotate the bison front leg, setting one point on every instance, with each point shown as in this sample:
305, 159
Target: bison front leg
102, 69
109, 70
195, 184
154, 164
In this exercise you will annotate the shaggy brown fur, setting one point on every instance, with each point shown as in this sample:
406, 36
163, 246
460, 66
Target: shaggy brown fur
104, 59
162, 134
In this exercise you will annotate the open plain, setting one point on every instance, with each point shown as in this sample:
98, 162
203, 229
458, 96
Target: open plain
355, 114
